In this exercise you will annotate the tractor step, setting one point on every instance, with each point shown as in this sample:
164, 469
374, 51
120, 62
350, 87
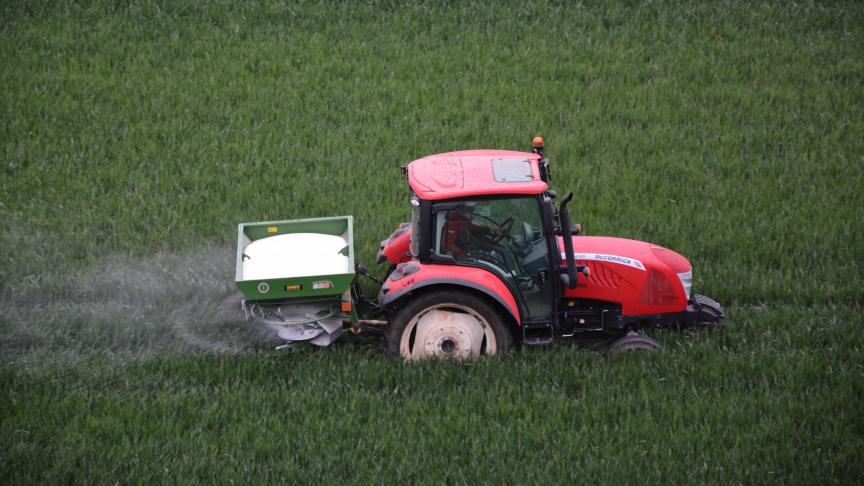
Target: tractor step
537, 341
537, 333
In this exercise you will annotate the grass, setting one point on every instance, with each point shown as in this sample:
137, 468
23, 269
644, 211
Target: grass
711, 407
135, 136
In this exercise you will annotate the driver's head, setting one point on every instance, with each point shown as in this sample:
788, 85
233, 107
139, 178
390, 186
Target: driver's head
468, 208
463, 211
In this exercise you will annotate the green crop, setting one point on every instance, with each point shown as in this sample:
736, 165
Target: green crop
135, 136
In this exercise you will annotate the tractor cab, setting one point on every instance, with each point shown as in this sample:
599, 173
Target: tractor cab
501, 221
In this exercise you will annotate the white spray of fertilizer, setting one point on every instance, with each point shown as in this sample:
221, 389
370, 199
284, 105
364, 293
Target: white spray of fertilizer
163, 303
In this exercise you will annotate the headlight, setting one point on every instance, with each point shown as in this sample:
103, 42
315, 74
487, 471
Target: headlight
686, 279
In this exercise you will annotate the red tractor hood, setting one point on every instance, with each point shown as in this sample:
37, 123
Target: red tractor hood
642, 277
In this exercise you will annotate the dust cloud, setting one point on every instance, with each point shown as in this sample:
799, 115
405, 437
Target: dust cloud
164, 303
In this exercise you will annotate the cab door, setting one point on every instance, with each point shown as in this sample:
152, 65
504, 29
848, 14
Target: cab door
505, 236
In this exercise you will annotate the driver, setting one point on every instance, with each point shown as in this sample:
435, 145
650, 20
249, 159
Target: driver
458, 223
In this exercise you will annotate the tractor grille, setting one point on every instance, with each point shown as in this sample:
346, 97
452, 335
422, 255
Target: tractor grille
603, 276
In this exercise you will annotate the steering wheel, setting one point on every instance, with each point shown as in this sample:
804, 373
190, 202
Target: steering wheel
504, 227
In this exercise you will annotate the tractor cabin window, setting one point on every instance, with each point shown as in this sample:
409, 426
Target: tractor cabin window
501, 235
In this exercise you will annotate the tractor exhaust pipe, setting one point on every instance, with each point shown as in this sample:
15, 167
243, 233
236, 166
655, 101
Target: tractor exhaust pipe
568, 278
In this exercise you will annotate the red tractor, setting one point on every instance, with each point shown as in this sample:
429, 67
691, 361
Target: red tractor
488, 257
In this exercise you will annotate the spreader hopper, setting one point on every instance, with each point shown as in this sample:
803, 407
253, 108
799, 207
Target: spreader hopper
295, 274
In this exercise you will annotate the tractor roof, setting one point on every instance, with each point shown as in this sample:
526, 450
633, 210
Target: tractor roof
475, 173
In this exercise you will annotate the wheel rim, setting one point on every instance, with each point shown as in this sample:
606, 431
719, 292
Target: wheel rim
633, 342
636, 347
447, 331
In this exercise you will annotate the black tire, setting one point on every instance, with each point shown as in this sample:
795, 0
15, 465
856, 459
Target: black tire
632, 342
400, 334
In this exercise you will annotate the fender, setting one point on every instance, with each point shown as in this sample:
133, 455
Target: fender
413, 275
395, 249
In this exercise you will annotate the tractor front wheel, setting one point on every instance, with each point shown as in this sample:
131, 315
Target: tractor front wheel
447, 324
632, 342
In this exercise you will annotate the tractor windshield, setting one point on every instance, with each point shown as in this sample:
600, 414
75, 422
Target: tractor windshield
504, 236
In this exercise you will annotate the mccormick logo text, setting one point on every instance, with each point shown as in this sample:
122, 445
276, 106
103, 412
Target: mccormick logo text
620, 260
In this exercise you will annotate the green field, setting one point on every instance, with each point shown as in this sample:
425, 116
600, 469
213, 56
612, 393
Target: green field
136, 135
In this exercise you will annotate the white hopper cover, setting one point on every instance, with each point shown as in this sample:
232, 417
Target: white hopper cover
295, 255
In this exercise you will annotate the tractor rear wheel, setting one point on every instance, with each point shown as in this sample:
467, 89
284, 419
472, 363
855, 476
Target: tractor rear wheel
632, 342
447, 324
